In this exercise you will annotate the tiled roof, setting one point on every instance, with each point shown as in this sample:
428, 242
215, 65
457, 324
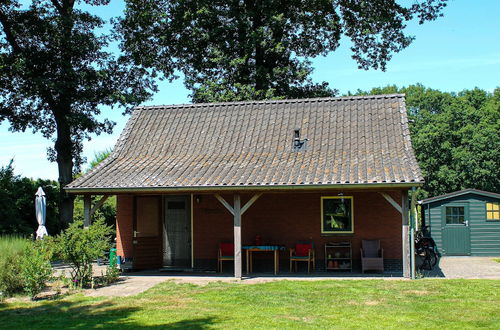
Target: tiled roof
352, 140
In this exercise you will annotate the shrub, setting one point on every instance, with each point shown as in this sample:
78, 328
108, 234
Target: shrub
35, 267
12, 249
112, 275
79, 247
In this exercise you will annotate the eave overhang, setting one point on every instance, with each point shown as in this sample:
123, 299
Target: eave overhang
249, 188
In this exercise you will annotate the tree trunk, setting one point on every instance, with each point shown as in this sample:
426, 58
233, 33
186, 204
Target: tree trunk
64, 147
64, 144
255, 12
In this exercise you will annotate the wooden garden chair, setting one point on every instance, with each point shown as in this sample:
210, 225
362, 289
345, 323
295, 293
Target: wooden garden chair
303, 252
225, 253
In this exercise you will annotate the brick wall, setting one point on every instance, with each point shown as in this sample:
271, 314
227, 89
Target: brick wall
279, 218
285, 218
124, 225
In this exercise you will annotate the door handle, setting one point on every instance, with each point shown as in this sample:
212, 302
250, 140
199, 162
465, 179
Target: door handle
135, 233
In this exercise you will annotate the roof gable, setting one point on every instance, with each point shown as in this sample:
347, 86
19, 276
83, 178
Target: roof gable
460, 193
351, 140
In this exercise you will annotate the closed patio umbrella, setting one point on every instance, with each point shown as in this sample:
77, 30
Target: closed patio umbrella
40, 209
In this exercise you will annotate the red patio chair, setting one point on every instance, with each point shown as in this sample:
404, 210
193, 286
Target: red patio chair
226, 253
303, 252
372, 256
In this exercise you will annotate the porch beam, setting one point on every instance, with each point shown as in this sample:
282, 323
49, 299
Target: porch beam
226, 204
392, 201
98, 204
86, 210
250, 202
237, 237
405, 234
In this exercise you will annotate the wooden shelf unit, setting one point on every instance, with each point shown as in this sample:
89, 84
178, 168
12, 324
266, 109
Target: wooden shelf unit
338, 256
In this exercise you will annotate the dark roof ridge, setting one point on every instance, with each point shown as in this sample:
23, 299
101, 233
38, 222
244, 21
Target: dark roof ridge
318, 99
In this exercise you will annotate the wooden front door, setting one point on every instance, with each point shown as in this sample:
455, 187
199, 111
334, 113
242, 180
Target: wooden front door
147, 232
177, 232
455, 229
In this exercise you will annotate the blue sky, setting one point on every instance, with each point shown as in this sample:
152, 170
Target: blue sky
458, 51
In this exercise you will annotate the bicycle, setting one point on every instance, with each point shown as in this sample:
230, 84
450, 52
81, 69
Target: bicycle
425, 250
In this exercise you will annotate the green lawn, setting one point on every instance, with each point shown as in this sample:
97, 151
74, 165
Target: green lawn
284, 304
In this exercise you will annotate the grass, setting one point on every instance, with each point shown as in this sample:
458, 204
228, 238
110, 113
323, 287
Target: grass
497, 260
11, 245
11, 251
283, 304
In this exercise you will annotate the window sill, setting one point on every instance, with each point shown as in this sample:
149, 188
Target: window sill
337, 234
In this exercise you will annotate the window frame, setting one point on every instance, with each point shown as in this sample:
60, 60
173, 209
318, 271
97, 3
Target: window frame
465, 205
491, 211
323, 231
453, 216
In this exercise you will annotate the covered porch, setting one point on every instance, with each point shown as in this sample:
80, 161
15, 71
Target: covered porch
181, 233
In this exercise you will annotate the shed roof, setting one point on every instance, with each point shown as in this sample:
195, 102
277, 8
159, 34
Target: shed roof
460, 193
362, 140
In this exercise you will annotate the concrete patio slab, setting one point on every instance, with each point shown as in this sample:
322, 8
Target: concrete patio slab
465, 267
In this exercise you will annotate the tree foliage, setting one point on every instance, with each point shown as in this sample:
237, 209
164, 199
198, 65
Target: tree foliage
17, 203
107, 211
55, 73
456, 137
246, 49
99, 157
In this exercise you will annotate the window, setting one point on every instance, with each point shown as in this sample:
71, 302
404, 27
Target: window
492, 211
337, 215
455, 215
176, 205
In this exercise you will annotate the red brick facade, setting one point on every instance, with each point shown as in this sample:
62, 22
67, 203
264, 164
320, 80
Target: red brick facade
279, 218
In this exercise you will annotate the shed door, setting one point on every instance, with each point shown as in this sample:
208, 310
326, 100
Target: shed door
147, 232
455, 229
177, 232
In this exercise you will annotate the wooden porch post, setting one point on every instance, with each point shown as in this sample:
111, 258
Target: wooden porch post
237, 211
403, 209
405, 233
86, 210
237, 236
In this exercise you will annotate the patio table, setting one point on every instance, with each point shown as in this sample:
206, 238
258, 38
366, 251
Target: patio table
263, 248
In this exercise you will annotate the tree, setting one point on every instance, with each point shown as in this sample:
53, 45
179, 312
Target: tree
254, 49
99, 157
55, 73
455, 137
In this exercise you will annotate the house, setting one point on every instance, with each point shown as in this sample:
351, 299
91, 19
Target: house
465, 222
188, 177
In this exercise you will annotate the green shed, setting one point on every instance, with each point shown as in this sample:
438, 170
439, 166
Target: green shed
465, 222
